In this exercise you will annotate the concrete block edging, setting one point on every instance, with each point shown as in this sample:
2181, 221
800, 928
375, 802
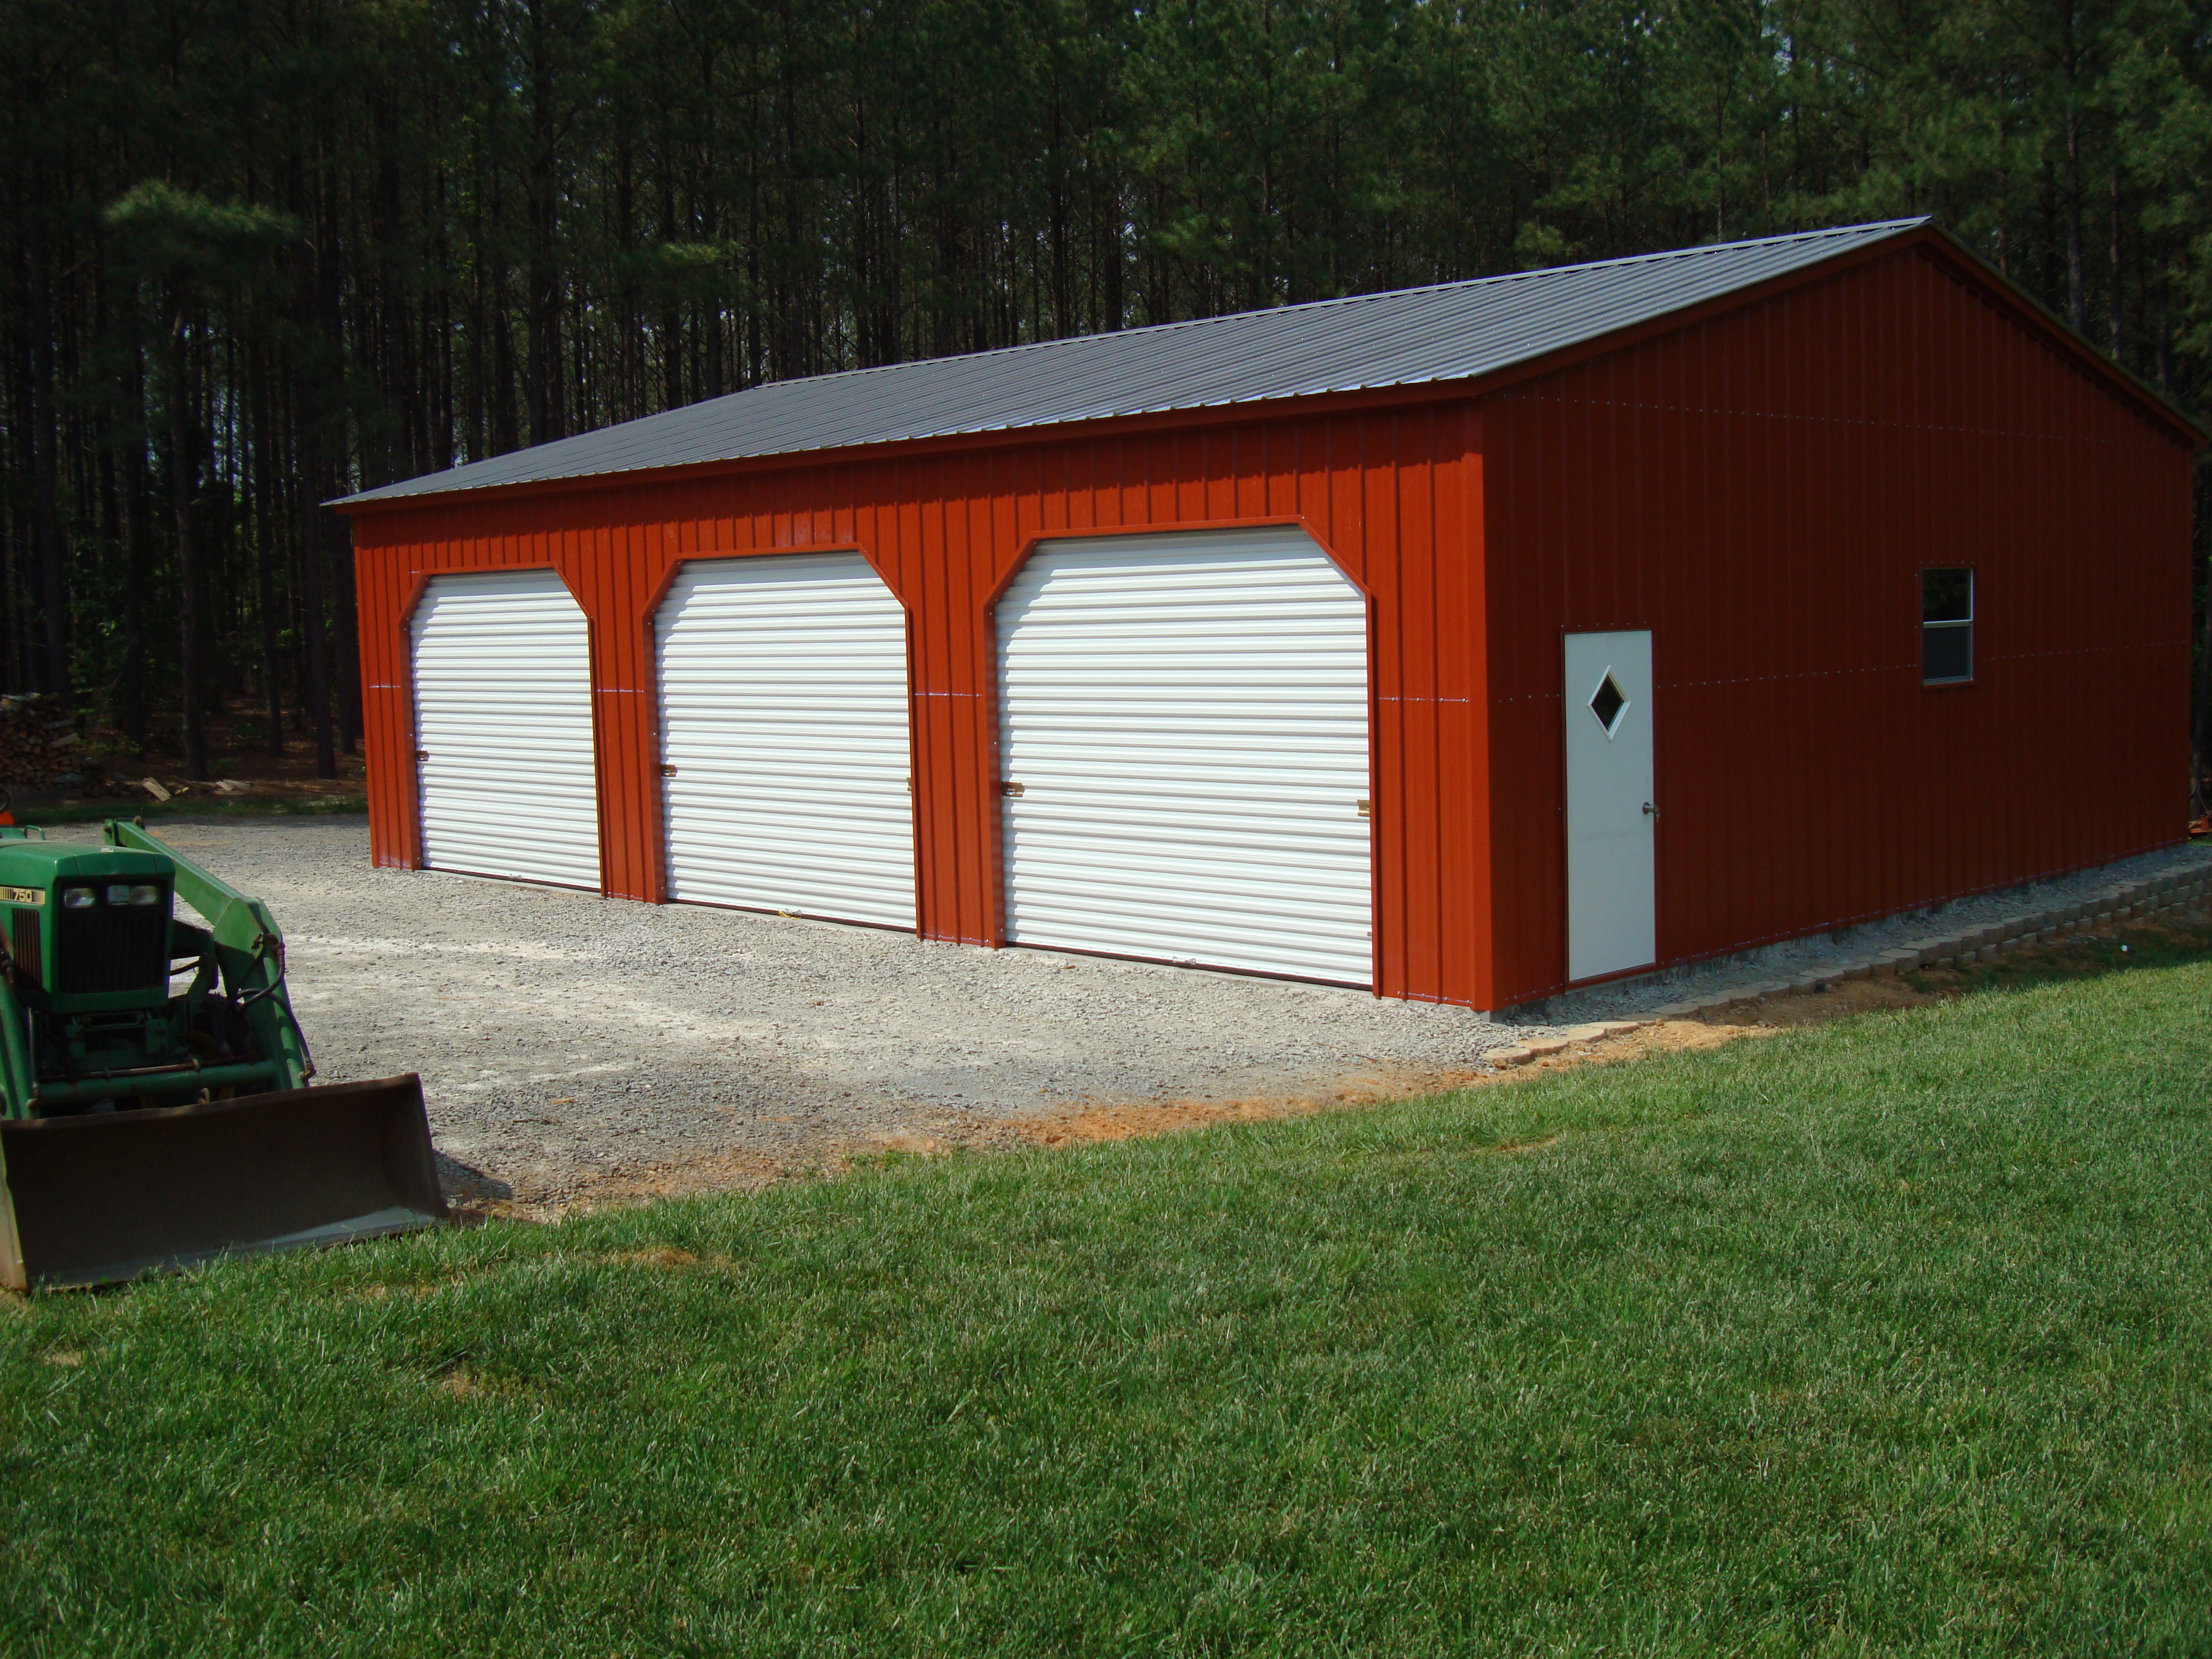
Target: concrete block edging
2161, 895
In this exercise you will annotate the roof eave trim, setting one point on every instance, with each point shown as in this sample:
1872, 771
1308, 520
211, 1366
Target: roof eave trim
1285, 407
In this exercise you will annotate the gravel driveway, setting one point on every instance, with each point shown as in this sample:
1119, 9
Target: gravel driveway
574, 1047
571, 1045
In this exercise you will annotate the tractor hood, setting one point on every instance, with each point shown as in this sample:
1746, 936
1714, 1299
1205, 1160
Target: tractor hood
43, 865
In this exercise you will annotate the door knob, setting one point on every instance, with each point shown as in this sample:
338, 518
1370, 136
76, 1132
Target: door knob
1650, 810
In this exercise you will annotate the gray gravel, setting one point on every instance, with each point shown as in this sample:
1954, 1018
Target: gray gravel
569, 1044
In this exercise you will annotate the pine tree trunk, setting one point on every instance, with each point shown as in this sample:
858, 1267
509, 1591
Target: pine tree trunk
266, 466
45, 435
181, 469
139, 505
346, 647
2113, 307
2077, 311
2200, 755
543, 301
308, 464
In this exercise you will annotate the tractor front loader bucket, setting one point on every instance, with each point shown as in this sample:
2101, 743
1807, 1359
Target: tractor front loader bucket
95, 1198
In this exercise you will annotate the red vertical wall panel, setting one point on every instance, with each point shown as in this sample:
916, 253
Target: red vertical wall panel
1760, 490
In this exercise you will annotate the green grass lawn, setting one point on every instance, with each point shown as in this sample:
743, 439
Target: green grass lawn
1889, 1336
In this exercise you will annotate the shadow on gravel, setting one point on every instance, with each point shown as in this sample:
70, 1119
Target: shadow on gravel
468, 1191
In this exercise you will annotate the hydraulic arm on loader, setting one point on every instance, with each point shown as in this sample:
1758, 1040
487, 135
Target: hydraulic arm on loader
144, 1128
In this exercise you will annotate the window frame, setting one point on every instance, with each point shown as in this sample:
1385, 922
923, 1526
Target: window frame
1955, 624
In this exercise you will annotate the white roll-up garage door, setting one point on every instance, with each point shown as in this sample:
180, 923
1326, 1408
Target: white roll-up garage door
503, 729
783, 716
1183, 753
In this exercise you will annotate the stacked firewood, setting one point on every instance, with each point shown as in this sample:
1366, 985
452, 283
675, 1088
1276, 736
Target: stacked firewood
40, 748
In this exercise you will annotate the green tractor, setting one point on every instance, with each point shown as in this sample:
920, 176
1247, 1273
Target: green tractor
144, 1128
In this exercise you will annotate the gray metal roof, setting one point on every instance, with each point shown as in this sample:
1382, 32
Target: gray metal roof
1409, 337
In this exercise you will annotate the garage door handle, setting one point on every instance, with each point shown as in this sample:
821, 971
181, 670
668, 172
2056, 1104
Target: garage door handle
421, 753
667, 771
1009, 788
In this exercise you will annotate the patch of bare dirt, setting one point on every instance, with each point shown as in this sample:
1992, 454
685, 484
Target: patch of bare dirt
1092, 1122
1841, 1000
664, 1258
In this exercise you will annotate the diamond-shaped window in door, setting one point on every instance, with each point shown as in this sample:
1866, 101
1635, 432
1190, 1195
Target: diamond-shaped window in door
1608, 701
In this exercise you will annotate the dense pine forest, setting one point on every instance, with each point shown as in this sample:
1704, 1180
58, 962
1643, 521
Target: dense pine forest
260, 252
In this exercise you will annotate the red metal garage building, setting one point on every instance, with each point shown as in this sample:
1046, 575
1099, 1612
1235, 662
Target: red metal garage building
1466, 641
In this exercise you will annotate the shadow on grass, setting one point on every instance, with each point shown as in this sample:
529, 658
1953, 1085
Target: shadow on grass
2126, 947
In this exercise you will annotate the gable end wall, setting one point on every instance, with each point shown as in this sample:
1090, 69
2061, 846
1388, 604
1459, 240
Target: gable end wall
1760, 490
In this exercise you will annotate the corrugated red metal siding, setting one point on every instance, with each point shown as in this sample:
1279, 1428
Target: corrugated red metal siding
1394, 494
1760, 490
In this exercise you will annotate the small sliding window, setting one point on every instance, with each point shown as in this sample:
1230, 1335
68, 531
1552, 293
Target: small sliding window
1946, 626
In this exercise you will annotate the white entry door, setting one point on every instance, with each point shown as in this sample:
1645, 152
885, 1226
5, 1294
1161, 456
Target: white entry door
785, 752
1183, 753
509, 780
1612, 871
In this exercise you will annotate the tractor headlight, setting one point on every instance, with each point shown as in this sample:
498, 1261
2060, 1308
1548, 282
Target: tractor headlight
80, 898
141, 893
